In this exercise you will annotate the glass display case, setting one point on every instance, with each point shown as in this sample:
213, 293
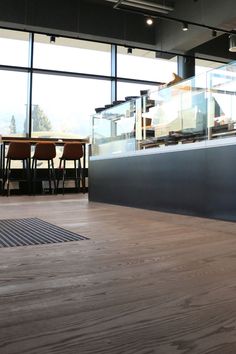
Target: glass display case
198, 109
113, 129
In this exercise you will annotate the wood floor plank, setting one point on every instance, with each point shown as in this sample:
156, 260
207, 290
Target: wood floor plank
145, 282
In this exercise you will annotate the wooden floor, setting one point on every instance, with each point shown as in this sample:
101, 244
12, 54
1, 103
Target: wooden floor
146, 282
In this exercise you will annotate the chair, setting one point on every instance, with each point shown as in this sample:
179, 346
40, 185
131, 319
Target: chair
71, 152
18, 151
44, 152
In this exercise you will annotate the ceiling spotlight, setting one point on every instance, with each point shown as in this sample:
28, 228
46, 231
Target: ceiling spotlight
214, 33
185, 26
149, 21
129, 51
232, 43
52, 39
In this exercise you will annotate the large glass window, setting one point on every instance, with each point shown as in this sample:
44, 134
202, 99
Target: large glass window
63, 103
13, 103
62, 106
127, 89
14, 48
143, 65
72, 55
202, 65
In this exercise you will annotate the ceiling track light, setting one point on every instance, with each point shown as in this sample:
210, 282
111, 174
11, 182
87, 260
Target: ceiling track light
52, 39
149, 21
185, 26
214, 33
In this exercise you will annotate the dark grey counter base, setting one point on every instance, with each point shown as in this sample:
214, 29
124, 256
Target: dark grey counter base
198, 182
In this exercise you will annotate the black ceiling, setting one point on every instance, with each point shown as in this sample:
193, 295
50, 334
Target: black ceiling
99, 20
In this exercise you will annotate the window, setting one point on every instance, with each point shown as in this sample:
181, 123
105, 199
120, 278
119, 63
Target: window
14, 48
63, 102
201, 66
143, 65
62, 106
72, 55
125, 89
13, 101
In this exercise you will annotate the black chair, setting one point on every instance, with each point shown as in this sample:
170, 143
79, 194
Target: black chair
44, 152
71, 152
18, 151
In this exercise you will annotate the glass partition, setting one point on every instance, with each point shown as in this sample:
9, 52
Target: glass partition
113, 129
194, 110
222, 101
178, 113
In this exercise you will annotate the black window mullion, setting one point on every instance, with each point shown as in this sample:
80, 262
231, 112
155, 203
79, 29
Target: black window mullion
113, 72
30, 84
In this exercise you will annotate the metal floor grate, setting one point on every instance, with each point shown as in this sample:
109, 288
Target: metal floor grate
33, 231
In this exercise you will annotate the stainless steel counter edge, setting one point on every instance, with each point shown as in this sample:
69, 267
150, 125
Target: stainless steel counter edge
171, 148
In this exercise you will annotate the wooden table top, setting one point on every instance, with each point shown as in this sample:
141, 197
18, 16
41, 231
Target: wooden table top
62, 141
